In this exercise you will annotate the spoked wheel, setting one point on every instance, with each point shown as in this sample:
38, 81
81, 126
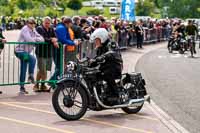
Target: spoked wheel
70, 102
133, 94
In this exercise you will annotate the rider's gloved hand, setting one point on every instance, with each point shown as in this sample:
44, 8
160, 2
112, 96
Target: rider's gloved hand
100, 59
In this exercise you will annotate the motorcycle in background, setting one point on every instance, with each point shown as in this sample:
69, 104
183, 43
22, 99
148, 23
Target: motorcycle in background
177, 43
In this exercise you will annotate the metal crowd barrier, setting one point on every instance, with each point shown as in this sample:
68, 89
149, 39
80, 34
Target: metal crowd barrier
86, 49
150, 36
10, 64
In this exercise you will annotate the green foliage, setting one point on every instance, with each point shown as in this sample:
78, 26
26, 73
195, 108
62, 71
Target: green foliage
154, 8
75, 4
3, 2
5, 11
95, 12
179, 8
25, 4
184, 9
145, 8
50, 12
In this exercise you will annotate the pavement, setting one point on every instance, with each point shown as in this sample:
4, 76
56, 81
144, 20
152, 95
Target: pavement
33, 113
174, 81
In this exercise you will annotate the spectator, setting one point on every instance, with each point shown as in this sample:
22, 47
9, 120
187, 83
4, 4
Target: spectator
2, 41
76, 27
85, 29
65, 35
139, 33
3, 22
23, 52
44, 53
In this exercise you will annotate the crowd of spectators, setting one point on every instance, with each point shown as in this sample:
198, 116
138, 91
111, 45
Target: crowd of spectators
68, 32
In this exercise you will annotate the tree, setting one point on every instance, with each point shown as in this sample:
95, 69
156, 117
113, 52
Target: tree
179, 8
25, 4
3, 2
75, 5
184, 9
145, 8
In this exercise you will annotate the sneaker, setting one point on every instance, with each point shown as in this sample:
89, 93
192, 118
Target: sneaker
23, 91
31, 79
36, 88
44, 88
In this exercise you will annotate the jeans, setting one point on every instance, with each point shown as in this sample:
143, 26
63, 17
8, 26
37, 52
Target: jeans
25, 59
57, 62
3, 26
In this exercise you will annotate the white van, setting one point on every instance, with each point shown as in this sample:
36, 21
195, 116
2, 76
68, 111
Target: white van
87, 3
110, 3
114, 10
97, 3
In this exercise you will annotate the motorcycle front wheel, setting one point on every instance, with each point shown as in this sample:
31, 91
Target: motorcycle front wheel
70, 102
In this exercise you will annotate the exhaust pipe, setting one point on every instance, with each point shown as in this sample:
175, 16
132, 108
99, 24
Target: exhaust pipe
131, 103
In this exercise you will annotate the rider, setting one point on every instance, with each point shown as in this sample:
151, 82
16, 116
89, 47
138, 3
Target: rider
110, 60
181, 30
191, 30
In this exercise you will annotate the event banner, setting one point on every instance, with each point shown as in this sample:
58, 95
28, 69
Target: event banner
128, 10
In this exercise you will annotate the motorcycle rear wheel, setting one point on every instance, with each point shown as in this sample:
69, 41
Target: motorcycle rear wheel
132, 110
69, 103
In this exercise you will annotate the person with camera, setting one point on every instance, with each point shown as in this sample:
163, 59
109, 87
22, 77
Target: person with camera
139, 33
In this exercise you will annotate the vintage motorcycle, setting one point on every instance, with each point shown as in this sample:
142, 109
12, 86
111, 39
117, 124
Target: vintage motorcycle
177, 43
80, 90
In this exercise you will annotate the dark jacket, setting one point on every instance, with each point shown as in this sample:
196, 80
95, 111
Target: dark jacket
45, 51
103, 49
191, 30
1, 37
112, 62
139, 30
77, 31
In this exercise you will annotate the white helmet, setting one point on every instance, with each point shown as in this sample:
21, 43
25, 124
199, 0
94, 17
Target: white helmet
100, 33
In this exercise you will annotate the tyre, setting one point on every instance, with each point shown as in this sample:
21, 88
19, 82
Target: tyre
134, 94
132, 110
67, 100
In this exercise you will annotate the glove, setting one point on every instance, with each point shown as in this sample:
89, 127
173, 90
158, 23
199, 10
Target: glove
100, 59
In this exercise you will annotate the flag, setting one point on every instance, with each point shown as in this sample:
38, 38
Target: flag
128, 10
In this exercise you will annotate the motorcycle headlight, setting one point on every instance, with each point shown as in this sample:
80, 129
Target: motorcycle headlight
71, 66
